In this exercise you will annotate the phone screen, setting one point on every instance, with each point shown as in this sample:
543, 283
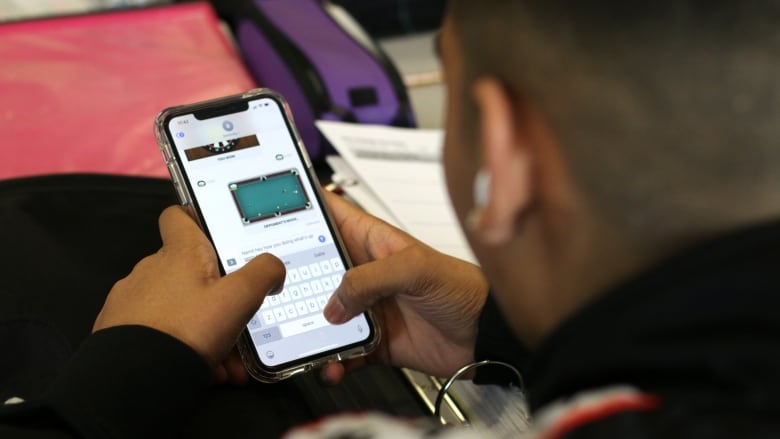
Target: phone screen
252, 189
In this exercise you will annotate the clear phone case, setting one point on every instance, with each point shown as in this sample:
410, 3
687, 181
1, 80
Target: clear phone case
245, 344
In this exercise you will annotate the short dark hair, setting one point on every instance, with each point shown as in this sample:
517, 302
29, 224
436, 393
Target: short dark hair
668, 112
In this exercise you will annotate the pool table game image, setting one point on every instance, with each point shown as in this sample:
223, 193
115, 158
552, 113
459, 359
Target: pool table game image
269, 196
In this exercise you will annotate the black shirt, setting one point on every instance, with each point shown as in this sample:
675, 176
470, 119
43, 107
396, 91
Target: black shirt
127, 381
701, 330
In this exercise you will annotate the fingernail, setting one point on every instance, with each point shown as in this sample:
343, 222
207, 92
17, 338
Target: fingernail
334, 311
276, 289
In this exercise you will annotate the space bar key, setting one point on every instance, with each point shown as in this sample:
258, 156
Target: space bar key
305, 324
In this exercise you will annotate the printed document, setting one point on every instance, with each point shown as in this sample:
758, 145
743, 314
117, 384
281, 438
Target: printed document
402, 168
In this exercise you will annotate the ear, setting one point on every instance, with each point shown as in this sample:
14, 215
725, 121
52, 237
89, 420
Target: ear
506, 159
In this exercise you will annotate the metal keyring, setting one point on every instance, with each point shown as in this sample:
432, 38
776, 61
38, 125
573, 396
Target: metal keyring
447, 384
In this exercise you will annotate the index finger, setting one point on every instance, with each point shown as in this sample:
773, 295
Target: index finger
176, 226
249, 285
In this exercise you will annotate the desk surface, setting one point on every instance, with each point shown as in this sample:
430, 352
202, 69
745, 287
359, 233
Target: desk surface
415, 55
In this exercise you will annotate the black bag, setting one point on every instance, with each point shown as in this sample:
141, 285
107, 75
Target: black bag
67, 239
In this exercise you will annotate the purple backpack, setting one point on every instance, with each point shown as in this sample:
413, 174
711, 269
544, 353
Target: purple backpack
322, 62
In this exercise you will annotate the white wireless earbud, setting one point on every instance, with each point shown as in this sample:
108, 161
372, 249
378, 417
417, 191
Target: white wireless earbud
481, 188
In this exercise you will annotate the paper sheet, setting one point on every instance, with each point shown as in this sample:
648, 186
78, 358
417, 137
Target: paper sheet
360, 194
403, 168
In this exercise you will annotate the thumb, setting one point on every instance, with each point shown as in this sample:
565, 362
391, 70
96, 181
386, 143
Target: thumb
261, 276
366, 284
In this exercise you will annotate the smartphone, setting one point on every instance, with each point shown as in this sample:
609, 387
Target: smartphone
240, 168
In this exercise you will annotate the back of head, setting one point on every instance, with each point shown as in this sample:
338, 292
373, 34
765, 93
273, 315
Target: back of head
668, 112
